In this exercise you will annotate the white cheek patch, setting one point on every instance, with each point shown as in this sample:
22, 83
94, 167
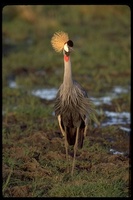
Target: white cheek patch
66, 48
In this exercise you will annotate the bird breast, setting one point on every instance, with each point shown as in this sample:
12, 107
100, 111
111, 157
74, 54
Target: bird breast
71, 105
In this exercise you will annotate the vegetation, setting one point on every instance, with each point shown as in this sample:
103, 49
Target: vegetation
34, 163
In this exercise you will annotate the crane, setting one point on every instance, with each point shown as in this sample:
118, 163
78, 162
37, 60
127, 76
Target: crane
73, 108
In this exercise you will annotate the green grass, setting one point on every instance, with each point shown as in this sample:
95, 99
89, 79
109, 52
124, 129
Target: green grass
98, 188
34, 163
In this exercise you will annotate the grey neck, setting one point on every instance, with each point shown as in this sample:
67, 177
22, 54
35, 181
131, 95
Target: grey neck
67, 81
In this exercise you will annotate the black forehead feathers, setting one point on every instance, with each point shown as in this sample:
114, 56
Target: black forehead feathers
70, 43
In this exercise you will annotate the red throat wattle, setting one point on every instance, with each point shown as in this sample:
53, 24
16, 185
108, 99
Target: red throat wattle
66, 58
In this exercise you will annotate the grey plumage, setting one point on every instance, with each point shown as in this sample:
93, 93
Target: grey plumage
73, 108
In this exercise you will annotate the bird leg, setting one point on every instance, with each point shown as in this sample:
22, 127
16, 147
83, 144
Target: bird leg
66, 144
66, 147
86, 122
59, 121
75, 150
85, 131
64, 133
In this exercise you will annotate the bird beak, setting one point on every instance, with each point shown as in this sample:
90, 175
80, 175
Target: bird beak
71, 49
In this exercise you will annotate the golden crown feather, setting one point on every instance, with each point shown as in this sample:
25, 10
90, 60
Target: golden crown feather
58, 40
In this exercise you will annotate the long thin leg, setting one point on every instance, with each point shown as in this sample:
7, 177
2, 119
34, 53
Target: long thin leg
64, 133
85, 131
66, 145
75, 150
86, 125
59, 121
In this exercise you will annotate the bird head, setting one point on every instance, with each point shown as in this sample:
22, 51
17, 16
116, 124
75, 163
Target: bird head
60, 42
68, 47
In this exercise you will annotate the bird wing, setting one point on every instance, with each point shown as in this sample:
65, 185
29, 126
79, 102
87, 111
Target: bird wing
89, 104
84, 92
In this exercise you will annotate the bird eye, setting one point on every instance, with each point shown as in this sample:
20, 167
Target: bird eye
70, 43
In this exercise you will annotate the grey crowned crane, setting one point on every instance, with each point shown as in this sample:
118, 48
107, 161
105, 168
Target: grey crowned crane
73, 108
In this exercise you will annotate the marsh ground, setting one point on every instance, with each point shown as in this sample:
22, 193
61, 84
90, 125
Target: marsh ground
34, 162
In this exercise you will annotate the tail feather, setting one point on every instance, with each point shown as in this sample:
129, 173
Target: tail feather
71, 136
71, 132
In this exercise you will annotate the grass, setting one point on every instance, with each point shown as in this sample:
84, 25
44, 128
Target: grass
98, 188
34, 163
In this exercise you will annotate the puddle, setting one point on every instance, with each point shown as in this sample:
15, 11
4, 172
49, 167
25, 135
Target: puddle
101, 100
48, 94
12, 84
115, 118
114, 152
125, 129
111, 95
125, 116
119, 90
